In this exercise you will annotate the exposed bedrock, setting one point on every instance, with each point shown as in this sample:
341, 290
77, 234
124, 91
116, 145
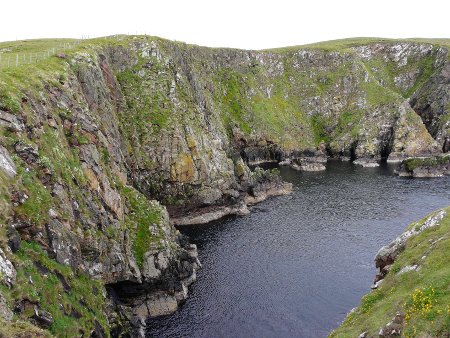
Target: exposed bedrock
386, 255
105, 148
421, 167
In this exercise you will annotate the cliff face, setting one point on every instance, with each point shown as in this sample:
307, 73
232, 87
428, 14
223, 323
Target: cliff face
95, 142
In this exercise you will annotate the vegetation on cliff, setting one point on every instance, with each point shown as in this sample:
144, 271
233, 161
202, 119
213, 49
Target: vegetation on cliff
413, 163
416, 287
92, 137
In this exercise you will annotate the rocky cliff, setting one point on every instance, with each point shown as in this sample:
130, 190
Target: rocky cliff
105, 147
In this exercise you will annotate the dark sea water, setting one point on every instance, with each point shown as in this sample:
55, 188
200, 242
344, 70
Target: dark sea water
297, 264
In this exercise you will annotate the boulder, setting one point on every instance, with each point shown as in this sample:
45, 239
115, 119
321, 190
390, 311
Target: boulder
14, 239
10, 121
393, 328
26, 152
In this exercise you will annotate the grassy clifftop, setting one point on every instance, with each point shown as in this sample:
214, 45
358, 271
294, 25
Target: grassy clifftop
416, 288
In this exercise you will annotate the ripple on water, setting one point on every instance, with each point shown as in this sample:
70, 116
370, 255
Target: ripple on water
299, 263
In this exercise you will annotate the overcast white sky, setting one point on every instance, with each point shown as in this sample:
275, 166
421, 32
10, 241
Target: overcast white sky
246, 24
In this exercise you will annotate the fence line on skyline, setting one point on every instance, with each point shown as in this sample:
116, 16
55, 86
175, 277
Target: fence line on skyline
10, 59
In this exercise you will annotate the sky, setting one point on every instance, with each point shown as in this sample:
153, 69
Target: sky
244, 24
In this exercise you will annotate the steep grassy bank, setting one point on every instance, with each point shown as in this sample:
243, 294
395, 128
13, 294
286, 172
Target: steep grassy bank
416, 289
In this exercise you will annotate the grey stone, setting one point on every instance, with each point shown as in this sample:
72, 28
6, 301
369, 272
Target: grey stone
6, 163
11, 121
7, 270
388, 253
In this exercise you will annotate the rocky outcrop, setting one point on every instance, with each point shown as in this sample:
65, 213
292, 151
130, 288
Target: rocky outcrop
393, 328
425, 167
166, 276
7, 270
6, 163
306, 163
387, 254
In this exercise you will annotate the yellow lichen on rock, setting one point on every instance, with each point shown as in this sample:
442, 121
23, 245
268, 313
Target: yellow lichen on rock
182, 170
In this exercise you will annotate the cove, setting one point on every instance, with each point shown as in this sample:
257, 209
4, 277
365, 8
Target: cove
297, 264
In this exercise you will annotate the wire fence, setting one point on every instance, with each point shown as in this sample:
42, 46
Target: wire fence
11, 59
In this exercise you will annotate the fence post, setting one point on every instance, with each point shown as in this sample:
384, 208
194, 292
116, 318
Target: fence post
17, 60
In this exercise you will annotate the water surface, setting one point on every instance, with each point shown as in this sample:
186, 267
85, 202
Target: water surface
299, 263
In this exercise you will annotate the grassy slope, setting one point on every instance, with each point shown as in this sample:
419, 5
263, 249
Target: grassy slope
74, 300
423, 296
342, 44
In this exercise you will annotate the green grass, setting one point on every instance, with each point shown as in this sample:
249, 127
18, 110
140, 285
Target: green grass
319, 124
233, 101
276, 116
31, 51
39, 200
239, 97
345, 44
141, 215
423, 296
83, 298
378, 95
148, 106
19, 328
412, 163
426, 67
349, 121
5, 203
60, 158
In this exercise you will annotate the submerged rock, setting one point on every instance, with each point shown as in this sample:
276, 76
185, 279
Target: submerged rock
367, 163
307, 164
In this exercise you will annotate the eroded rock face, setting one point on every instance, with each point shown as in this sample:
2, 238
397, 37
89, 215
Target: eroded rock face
393, 328
166, 276
127, 127
6, 163
7, 270
430, 101
437, 166
387, 254
10, 121
182, 166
